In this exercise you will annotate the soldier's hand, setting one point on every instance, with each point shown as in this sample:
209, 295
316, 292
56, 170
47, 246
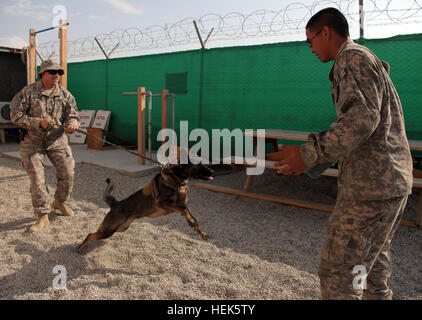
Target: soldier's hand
293, 163
70, 129
44, 123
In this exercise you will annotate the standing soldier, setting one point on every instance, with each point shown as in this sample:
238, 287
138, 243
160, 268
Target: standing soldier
375, 164
43, 110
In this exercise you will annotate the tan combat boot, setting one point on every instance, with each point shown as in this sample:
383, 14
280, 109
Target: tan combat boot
64, 209
40, 224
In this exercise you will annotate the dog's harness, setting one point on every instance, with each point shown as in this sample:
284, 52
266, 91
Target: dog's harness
169, 179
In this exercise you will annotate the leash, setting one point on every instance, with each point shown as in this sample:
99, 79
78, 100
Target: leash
114, 145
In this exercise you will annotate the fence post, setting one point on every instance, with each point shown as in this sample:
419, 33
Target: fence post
141, 124
63, 52
32, 61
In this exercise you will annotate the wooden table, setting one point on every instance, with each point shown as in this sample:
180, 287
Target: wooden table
274, 134
415, 145
271, 136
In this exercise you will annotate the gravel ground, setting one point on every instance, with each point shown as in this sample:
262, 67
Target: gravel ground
258, 249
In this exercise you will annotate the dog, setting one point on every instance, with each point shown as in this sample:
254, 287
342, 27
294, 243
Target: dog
167, 192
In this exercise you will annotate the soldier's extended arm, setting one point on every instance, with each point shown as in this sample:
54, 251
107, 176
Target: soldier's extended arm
360, 93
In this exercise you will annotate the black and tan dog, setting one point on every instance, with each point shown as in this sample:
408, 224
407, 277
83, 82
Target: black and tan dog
166, 193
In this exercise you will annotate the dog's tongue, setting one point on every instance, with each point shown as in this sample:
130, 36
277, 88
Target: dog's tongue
210, 178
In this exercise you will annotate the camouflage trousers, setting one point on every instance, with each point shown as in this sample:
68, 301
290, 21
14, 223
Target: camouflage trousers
33, 153
356, 252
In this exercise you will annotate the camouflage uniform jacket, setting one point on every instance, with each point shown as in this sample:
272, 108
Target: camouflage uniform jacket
369, 137
34, 102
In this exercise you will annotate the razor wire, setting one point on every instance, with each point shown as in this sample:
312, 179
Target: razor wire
234, 27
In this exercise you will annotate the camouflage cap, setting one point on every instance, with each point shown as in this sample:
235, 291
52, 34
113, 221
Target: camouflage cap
49, 65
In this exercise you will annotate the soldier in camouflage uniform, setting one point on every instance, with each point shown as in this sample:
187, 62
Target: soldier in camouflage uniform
41, 109
375, 165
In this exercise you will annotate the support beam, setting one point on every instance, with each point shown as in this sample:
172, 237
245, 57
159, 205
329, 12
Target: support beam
267, 197
198, 34
32, 58
63, 51
141, 123
209, 35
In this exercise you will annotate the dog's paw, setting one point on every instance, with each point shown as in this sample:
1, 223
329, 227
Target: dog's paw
205, 236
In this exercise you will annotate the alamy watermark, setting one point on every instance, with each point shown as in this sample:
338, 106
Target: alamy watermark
60, 12
359, 281
199, 152
60, 281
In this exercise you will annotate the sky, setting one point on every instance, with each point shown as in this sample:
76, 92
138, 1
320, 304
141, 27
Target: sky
92, 17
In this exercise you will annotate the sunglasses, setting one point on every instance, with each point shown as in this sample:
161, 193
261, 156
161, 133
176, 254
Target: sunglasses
53, 72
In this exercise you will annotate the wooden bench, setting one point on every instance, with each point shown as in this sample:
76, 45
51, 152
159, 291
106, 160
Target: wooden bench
271, 136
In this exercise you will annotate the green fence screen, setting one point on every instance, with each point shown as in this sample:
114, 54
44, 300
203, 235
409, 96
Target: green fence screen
279, 86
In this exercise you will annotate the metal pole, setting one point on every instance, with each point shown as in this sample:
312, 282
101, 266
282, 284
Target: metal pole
38, 54
43, 30
141, 124
52, 28
199, 34
106, 71
209, 35
172, 113
102, 49
361, 19
164, 110
28, 66
149, 94
109, 54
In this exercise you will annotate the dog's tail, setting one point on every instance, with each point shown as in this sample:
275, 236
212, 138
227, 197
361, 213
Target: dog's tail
107, 197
